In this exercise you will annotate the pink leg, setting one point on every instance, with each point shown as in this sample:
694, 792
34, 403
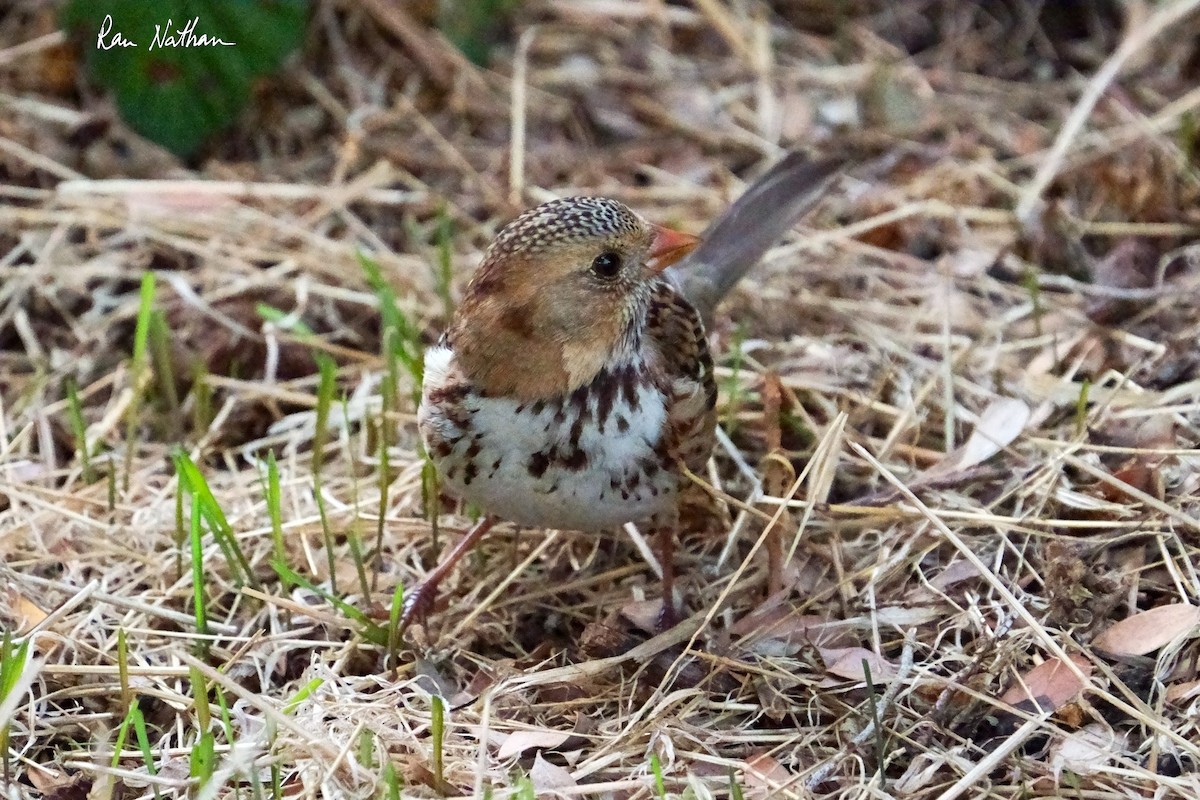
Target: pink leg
418, 602
669, 616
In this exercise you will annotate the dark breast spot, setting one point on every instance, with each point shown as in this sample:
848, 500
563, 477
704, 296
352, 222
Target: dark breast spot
605, 387
579, 400
538, 463
576, 460
453, 393
629, 387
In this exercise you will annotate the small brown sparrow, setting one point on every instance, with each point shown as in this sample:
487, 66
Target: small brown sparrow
575, 385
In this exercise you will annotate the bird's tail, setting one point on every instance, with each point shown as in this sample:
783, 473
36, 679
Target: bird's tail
753, 224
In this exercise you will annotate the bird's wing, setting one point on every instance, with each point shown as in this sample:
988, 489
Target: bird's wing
678, 334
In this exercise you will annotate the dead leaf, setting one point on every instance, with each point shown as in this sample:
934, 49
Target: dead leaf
549, 777
1086, 751
779, 630
774, 696
1131, 264
1147, 631
168, 201
907, 617
520, 741
955, 572
1050, 685
481, 682
25, 471
50, 782
765, 773
1140, 432
1139, 474
415, 772
643, 614
608, 637
1179, 692
999, 425
847, 662
27, 614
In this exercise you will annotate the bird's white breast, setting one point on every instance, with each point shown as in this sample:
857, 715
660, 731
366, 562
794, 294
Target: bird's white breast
532, 463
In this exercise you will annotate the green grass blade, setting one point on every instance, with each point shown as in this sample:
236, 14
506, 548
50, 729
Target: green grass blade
392, 782
160, 350
437, 732
384, 478
406, 346
735, 788
127, 698
660, 787
371, 631
123, 733
193, 480
275, 511
303, 694
13, 661
143, 741
79, 429
138, 370
325, 388
397, 610
200, 610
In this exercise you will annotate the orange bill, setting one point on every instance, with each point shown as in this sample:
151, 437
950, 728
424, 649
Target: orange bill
668, 247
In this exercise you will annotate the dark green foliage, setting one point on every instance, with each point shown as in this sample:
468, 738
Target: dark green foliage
179, 95
474, 26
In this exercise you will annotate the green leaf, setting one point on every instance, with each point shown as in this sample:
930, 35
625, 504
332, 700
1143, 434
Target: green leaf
172, 83
474, 26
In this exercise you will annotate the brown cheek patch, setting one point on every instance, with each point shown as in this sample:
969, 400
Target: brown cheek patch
517, 322
536, 333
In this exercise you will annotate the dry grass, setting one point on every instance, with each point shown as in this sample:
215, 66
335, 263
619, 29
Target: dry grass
976, 434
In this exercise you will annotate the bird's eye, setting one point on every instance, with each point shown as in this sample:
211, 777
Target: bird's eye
607, 264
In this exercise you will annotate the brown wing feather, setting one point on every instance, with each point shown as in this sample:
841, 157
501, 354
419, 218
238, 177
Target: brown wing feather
675, 328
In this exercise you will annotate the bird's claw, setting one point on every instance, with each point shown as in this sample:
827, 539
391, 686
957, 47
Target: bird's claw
668, 616
417, 605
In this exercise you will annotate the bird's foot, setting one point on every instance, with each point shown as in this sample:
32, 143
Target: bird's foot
417, 604
668, 616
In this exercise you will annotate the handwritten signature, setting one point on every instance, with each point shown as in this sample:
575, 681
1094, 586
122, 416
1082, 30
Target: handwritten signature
164, 36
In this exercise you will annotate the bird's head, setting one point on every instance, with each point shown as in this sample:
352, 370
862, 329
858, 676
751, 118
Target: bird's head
562, 287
